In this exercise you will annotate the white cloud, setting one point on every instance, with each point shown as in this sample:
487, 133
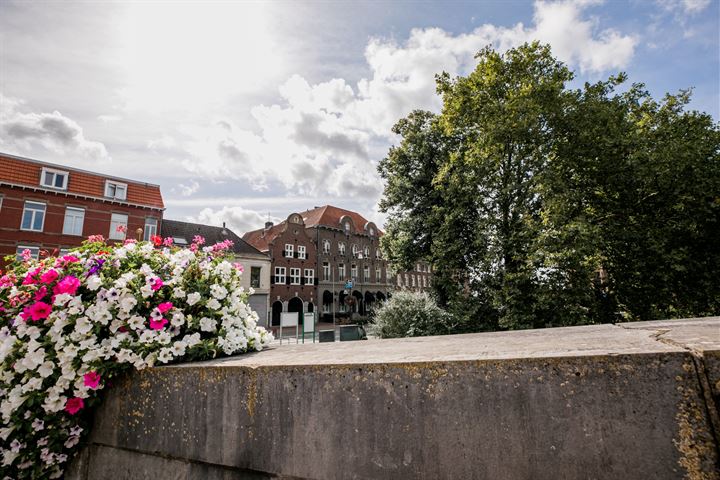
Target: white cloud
688, 7
189, 189
52, 131
237, 219
315, 141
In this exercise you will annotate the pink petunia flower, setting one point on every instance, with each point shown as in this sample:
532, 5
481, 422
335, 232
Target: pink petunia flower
92, 380
156, 283
31, 276
49, 276
39, 310
68, 284
168, 241
164, 307
74, 405
158, 324
41, 293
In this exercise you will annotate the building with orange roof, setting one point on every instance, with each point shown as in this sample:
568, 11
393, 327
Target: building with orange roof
349, 272
50, 207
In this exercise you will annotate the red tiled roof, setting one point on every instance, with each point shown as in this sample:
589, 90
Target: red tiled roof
261, 238
22, 171
330, 216
327, 215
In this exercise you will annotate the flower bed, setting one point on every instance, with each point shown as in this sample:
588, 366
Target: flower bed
69, 325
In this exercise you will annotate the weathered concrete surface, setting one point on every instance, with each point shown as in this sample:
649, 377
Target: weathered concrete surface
631, 401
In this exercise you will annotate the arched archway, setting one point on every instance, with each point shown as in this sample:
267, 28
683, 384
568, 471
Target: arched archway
310, 307
380, 296
277, 308
369, 300
359, 305
296, 305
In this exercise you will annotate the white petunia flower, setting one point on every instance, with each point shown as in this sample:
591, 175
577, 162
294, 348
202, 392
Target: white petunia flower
193, 298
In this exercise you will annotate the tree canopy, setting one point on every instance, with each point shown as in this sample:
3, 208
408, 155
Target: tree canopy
541, 205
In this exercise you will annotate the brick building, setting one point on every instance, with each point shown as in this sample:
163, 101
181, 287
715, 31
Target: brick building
44, 206
292, 252
417, 280
350, 273
256, 265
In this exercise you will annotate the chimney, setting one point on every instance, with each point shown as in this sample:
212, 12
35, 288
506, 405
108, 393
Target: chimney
223, 224
268, 225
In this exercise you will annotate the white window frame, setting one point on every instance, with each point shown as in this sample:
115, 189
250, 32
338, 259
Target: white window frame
366, 273
353, 272
366, 252
70, 222
55, 173
378, 274
377, 254
326, 246
302, 252
355, 250
294, 276
150, 230
341, 248
289, 250
33, 248
33, 216
115, 222
326, 271
309, 276
116, 185
341, 272
280, 274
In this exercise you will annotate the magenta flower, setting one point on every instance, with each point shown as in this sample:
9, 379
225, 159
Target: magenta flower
39, 310
74, 405
68, 284
156, 283
31, 277
92, 380
198, 239
164, 307
168, 241
158, 324
40, 293
49, 276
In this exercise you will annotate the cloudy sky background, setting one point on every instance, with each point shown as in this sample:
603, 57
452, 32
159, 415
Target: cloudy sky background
242, 111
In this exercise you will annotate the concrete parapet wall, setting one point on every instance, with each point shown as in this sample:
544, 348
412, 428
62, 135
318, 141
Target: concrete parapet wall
632, 401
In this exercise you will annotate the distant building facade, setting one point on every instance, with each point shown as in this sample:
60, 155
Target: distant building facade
53, 208
256, 265
418, 279
293, 257
350, 273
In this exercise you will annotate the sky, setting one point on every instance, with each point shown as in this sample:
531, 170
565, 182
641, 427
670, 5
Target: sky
248, 111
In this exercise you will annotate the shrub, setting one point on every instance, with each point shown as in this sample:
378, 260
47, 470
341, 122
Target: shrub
408, 314
69, 325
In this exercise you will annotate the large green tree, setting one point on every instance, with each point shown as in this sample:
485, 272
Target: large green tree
541, 205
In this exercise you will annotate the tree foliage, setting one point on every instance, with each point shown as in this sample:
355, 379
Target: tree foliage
541, 205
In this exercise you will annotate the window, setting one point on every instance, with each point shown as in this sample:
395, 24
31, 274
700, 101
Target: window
54, 178
302, 255
366, 252
118, 226
326, 271
64, 251
378, 255
399, 280
34, 251
74, 218
424, 281
412, 277
354, 250
294, 276
309, 276
341, 248
255, 277
326, 246
372, 231
407, 280
289, 250
115, 190
366, 273
150, 229
279, 274
353, 272
1, 199
378, 274
347, 227
341, 272
33, 217
180, 240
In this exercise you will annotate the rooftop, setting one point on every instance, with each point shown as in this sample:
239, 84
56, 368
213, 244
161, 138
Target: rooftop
183, 233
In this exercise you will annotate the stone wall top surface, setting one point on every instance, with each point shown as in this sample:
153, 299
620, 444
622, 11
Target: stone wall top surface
654, 337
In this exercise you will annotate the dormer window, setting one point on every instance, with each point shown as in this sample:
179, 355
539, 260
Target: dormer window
372, 231
347, 227
115, 190
54, 178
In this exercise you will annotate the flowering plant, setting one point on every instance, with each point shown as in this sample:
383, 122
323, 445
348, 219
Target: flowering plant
69, 325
